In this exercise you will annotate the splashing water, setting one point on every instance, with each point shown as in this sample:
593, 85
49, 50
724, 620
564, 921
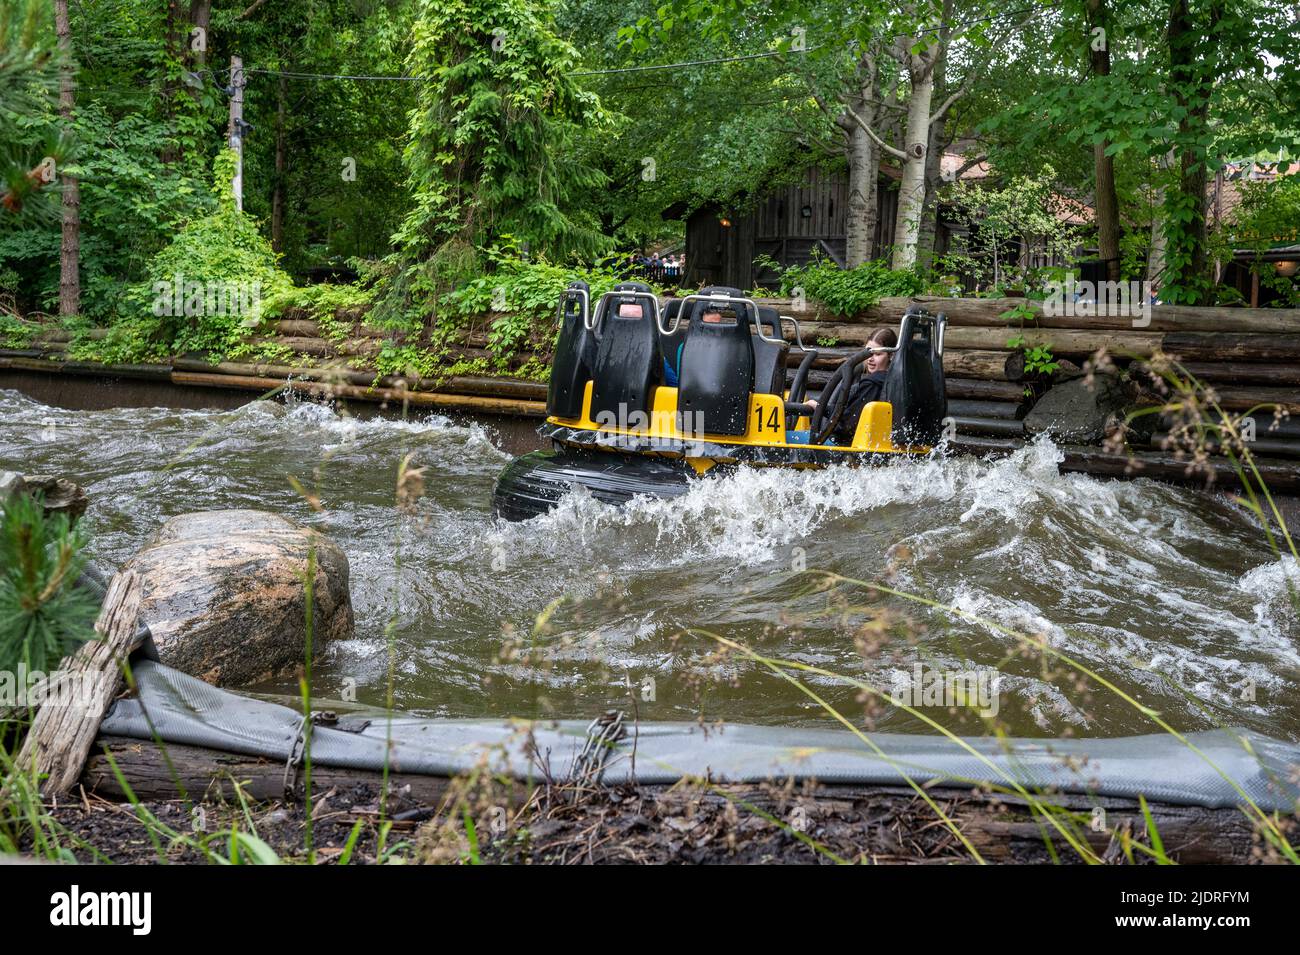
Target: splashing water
1170, 594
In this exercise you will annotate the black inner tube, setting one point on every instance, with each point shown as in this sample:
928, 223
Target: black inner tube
800, 384
830, 409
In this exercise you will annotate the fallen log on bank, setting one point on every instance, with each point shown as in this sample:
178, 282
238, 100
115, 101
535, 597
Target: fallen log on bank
62, 732
347, 374
988, 312
877, 823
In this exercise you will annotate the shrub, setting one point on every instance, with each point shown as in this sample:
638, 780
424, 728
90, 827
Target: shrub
849, 291
220, 251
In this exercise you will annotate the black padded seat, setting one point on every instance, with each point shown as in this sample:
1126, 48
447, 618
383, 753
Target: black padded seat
717, 370
769, 357
914, 384
627, 363
575, 356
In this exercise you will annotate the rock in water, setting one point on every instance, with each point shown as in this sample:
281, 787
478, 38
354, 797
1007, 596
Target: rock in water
1078, 411
225, 596
58, 495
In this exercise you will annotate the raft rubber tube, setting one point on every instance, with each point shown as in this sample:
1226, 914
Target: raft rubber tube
534, 483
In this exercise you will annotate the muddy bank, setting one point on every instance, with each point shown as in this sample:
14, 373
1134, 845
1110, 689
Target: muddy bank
658, 825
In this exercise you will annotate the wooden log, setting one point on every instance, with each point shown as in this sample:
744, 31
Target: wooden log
346, 374
1241, 372
990, 365
317, 347
61, 735
1244, 398
1119, 344
1280, 476
961, 388
987, 312
211, 774
984, 390
1262, 446
986, 409
299, 328
467, 403
986, 446
1002, 427
1001, 365
1266, 426
1202, 346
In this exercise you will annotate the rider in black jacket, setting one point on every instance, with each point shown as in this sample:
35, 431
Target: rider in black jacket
870, 386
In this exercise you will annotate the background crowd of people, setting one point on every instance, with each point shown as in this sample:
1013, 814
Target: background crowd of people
668, 269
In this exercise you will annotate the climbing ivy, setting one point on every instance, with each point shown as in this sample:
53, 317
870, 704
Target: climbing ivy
490, 152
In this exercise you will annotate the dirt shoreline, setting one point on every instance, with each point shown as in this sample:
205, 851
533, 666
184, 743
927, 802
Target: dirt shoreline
659, 825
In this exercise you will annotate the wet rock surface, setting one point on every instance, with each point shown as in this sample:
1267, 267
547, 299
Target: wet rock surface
225, 594
1078, 411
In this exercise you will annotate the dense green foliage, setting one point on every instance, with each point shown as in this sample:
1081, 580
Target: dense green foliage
493, 129
520, 143
849, 291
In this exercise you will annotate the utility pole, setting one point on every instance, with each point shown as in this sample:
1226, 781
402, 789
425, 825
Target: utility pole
235, 132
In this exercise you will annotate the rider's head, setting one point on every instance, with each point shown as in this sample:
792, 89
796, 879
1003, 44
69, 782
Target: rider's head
879, 361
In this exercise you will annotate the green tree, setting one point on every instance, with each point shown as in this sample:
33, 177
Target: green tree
491, 153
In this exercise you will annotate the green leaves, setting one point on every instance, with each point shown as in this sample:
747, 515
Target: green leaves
850, 291
492, 138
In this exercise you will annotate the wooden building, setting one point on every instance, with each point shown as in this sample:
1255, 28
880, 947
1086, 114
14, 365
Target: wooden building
793, 224
790, 225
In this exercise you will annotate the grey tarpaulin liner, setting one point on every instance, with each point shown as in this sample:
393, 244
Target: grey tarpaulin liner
189, 711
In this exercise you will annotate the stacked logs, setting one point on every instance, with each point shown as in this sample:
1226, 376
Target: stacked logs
1249, 357
321, 367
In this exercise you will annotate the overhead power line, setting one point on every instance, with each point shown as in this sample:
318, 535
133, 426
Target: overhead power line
661, 66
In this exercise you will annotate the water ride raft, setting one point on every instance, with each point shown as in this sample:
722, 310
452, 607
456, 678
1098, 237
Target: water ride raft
645, 398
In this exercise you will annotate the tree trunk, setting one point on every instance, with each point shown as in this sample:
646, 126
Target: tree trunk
277, 190
1191, 81
1106, 202
864, 173
70, 247
200, 17
930, 207
62, 732
911, 189
1156, 254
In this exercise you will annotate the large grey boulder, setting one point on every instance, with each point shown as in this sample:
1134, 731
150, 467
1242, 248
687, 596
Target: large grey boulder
225, 595
1078, 411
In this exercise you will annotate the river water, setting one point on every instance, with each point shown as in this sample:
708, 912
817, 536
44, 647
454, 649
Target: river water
1169, 595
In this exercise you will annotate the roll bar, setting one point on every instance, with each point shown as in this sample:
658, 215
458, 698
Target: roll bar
748, 303
798, 336
593, 319
569, 295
